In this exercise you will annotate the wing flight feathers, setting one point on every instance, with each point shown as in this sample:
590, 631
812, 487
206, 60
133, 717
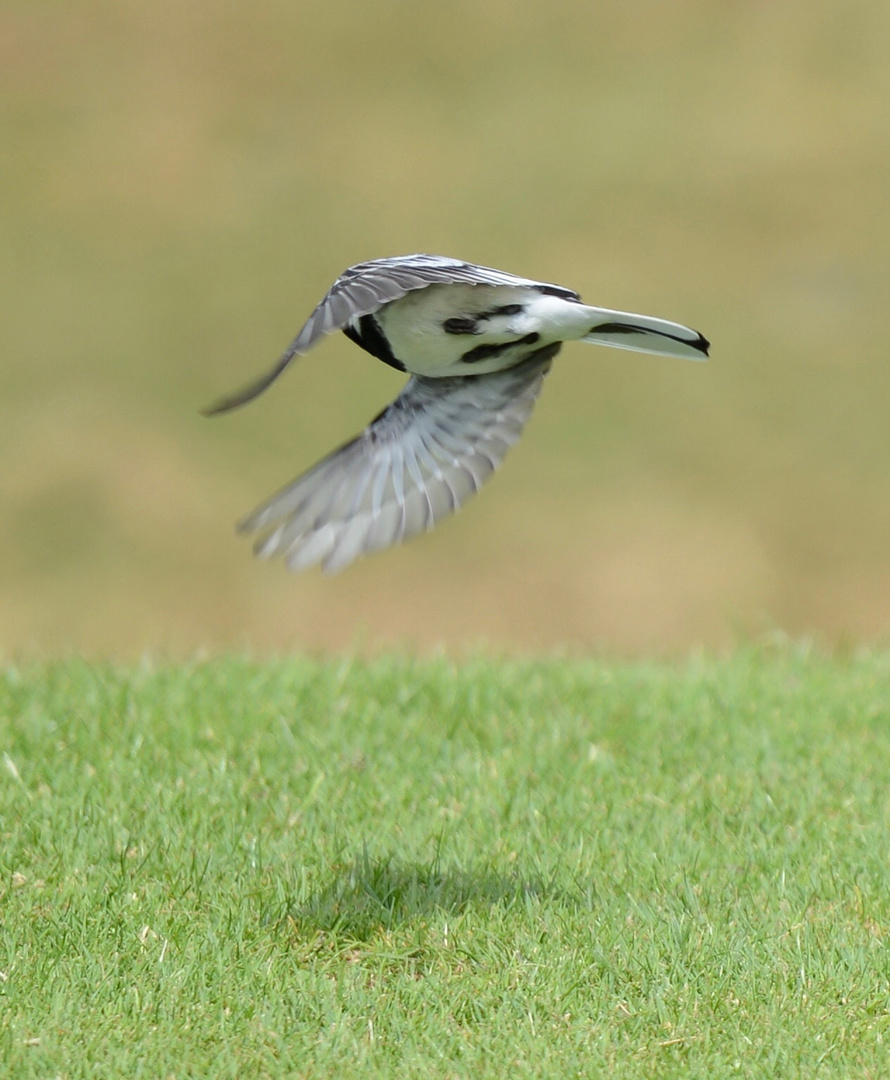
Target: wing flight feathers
417, 462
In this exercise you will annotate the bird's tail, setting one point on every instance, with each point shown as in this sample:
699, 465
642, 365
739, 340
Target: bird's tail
642, 333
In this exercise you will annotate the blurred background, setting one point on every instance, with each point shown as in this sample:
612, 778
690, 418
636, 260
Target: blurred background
181, 182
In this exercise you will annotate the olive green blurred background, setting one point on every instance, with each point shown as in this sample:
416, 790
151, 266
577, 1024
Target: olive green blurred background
180, 182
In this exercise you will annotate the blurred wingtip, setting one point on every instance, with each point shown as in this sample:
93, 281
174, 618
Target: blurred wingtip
253, 390
221, 406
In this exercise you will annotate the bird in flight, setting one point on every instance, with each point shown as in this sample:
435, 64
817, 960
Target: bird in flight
477, 344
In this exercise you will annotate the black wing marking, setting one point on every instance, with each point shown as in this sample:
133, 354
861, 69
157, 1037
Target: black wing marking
416, 463
364, 289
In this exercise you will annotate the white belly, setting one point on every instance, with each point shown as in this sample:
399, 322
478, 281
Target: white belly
415, 327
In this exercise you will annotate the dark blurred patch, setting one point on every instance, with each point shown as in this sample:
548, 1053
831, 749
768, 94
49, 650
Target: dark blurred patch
61, 528
373, 895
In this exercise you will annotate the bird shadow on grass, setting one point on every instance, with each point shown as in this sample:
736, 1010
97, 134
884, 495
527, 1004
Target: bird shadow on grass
370, 895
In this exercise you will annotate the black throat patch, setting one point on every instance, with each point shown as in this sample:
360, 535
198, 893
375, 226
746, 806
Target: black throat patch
372, 339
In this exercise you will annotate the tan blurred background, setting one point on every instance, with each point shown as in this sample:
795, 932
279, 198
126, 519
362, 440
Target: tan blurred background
180, 182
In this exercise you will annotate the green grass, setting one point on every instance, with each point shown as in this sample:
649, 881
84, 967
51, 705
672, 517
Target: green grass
404, 868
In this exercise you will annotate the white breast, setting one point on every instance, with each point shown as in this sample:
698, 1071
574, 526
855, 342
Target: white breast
415, 327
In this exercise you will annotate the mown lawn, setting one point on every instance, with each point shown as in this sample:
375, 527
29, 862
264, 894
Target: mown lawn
553, 868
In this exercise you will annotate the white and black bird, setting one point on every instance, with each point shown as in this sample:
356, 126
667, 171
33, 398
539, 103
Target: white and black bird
477, 343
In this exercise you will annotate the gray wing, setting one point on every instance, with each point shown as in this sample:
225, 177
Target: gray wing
416, 463
364, 289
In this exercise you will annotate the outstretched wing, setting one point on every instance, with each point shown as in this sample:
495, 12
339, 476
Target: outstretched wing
364, 289
417, 462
